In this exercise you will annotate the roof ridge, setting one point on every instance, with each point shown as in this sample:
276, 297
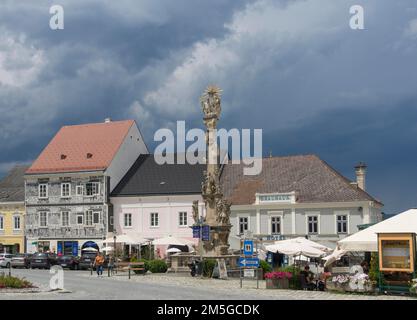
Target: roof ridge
97, 123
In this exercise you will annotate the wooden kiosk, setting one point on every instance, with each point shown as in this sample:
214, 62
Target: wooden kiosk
397, 261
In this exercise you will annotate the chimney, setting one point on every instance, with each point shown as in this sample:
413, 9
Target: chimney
360, 170
107, 120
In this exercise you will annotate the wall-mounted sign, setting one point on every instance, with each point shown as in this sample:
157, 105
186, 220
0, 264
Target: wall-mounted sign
196, 232
205, 232
248, 247
396, 252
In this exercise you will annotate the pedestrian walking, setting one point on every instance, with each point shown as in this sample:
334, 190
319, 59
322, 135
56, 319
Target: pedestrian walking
111, 264
98, 263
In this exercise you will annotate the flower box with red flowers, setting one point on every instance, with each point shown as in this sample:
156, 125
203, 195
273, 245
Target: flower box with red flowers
278, 280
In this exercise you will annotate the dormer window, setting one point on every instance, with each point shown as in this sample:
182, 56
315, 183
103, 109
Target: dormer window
63, 156
89, 155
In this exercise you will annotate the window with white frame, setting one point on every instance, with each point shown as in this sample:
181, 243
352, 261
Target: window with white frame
43, 219
16, 222
65, 190
96, 217
92, 188
341, 223
43, 191
79, 190
1, 223
65, 218
127, 220
182, 219
154, 219
243, 224
89, 218
80, 218
275, 225
312, 224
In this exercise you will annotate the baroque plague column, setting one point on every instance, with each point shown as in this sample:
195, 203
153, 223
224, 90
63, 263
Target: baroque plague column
217, 209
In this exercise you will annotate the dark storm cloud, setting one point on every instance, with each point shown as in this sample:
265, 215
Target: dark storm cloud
293, 68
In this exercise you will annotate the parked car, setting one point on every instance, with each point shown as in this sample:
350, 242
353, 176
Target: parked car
21, 260
71, 262
5, 260
43, 260
87, 258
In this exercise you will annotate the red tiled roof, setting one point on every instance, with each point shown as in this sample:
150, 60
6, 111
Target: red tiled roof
82, 147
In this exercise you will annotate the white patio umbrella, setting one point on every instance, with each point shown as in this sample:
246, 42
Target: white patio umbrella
173, 250
172, 241
89, 249
335, 255
107, 248
295, 248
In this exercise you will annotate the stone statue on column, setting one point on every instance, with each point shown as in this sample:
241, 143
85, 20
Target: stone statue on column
217, 208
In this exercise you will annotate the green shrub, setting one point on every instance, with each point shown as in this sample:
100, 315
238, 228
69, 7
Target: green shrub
295, 280
374, 267
157, 266
146, 265
208, 267
265, 266
14, 282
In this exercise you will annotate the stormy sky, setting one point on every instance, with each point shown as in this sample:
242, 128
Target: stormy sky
293, 68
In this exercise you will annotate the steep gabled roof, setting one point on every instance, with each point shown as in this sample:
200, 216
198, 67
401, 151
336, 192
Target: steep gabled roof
12, 186
311, 178
146, 177
86, 147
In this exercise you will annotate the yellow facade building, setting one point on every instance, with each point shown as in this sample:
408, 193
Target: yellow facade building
12, 211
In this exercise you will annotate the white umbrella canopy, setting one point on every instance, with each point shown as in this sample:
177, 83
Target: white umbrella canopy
107, 249
367, 239
173, 250
335, 255
172, 241
298, 246
89, 249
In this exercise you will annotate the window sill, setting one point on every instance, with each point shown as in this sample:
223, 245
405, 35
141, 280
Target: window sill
154, 227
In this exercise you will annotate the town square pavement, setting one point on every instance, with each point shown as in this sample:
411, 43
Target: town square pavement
81, 285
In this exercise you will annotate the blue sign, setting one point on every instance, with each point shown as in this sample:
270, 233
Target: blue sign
206, 233
248, 262
196, 232
248, 247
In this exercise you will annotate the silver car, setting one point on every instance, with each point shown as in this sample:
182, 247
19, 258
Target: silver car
5, 260
21, 260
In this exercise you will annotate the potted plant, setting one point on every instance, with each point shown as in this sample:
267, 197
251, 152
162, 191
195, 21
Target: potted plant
278, 280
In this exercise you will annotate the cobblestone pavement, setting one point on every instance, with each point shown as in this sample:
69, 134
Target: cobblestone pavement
81, 285
250, 286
